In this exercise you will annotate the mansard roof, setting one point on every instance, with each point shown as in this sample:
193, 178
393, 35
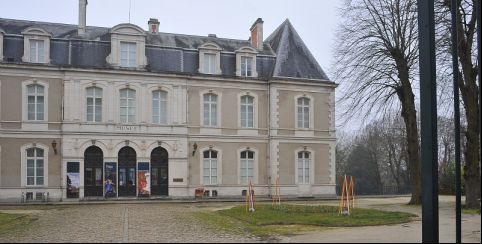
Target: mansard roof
293, 57
283, 55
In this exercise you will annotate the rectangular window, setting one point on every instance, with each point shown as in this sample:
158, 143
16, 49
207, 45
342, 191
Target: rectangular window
247, 112
246, 66
209, 63
303, 107
159, 107
36, 51
127, 106
94, 104
210, 110
210, 168
303, 167
35, 167
35, 102
128, 55
247, 167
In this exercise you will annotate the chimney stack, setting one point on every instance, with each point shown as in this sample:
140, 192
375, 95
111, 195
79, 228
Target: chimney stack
82, 17
257, 34
153, 25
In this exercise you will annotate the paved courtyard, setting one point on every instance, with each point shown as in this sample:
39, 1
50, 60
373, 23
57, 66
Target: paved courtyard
174, 222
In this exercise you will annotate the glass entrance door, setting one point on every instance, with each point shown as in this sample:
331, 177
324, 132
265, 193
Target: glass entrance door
159, 172
127, 172
93, 170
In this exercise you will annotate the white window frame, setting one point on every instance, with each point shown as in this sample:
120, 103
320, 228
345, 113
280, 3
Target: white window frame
246, 52
37, 51
209, 63
312, 158
219, 165
94, 104
166, 111
247, 66
2, 34
255, 165
135, 106
37, 34
214, 49
131, 52
25, 85
255, 109
23, 158
310, 109
127, 33
218, 108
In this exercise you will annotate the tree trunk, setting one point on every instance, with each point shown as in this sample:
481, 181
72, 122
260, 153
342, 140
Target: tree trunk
409, 114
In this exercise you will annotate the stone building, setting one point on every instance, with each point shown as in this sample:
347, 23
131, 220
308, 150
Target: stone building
88, 110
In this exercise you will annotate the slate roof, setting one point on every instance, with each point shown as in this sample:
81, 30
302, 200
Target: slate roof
284, 53
293, 57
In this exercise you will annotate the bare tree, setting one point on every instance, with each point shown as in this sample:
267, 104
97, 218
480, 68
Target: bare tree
466, 33
376, 62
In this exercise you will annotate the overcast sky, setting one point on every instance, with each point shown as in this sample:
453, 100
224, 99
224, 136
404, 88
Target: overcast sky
315, 20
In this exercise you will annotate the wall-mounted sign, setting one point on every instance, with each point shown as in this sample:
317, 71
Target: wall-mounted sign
178, 180
73, 180
143, 179
110, 179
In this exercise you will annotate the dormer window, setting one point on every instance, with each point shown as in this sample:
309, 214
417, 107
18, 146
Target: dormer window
36, 51
209, 63
246, 66
210, 59
128, 55
36, 46
128, 47
246, 62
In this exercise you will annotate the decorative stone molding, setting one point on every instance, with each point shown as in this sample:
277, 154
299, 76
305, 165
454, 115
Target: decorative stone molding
34, 33
131, 34
246, 52
210, 48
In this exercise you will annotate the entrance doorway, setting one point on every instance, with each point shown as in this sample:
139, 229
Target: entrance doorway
159, 172
93, 170
127, 172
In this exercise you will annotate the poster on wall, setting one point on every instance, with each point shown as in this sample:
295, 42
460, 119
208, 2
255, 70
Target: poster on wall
73, 180
110, 179
143, 179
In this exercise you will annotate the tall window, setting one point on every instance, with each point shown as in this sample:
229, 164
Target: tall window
247, 115
303, 112
210, 110
247, 166
210, 167
35, 101
94, 104
246, 66
36, 51
35, 167
159, 107
304, 167
209, 63
128, 55
127, 105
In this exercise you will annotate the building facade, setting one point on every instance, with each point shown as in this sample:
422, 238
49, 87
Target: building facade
93, 112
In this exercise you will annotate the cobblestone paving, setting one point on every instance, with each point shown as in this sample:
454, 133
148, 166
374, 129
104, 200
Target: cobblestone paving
164, 222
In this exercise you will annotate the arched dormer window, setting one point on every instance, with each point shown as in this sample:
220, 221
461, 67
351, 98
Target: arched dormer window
210, 59
36, 45
128, 47
246, 62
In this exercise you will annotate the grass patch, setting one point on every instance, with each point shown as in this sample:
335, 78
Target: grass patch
471, 211
14, 222
290, 219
